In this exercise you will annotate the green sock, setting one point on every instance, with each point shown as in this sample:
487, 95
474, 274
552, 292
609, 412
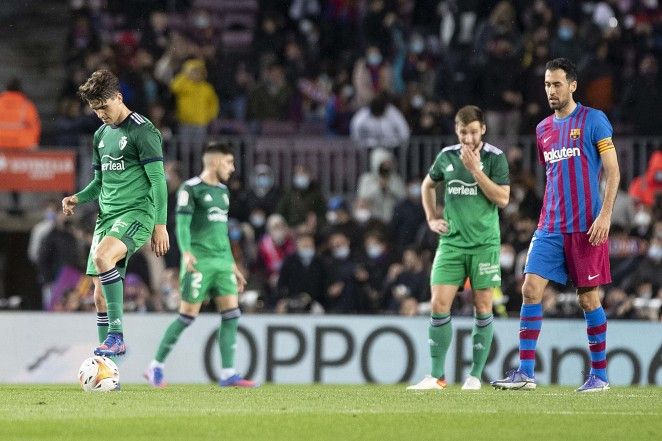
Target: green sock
172, 335
102, 325
113, 290
227, 336
482, 341
441, 334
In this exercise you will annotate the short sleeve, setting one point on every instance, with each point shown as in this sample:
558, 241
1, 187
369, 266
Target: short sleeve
185, 202
148, 140
601, 132
499, 173
436, 170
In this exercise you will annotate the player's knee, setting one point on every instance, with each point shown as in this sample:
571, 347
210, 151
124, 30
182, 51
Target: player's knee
230, 314
531, 293
588, 302
101, 260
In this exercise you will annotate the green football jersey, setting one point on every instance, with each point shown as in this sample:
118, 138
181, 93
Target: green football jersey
473, 219
120, 153
208, 206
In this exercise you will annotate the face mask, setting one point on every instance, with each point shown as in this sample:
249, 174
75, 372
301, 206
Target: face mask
374, 251
417, 46
347, 91
655, 252
201, 21
417, 101
341, 252
414, 191
306, 255
642, 219
301, 181
506, 260
362, 215
257, 220
374, 59
332, 217
264, 181
278, 236
566, 33
50, 216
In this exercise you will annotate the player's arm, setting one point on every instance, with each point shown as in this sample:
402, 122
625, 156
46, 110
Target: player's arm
599, 231
499, 194
184, 216
429, 199
89, 193
156, 176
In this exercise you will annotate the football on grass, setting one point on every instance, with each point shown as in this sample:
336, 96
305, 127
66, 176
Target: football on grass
99, 374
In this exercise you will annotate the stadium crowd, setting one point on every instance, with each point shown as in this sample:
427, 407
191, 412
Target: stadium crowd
343, 67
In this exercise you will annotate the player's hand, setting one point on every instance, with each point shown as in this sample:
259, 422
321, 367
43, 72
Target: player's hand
599, 231
69, 205
189, 261
160, 240
470, 159
439, 226
241, 280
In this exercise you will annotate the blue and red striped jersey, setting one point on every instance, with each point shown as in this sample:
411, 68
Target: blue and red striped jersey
570, 149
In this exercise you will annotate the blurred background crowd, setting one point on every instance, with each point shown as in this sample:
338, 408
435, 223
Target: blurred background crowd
380, 72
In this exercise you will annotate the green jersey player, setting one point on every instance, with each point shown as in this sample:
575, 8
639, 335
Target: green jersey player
476, 180
129, 183
207, 267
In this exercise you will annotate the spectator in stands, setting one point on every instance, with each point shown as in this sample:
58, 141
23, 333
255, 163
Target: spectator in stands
273, 247
58, 249
379, 125
408, 216
270, 98
406, 280
301, 280
372, 76
156, 35
342, 288
338, 218
642, 99
304, 202
382, 187
566, 44
197, 105
39, 232
644, 189
262, 197
20, 126
373, 265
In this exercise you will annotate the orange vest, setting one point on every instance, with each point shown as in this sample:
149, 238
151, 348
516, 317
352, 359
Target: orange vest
19, 121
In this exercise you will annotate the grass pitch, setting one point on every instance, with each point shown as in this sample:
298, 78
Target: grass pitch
339, 413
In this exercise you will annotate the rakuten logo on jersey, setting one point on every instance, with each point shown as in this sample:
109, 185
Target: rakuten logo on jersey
556, 155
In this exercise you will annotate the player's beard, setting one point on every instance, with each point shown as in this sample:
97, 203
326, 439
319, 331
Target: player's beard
560, 105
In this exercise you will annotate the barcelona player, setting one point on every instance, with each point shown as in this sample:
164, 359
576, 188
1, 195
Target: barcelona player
571, 241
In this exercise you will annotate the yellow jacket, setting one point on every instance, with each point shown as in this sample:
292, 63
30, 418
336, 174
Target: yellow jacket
197, 102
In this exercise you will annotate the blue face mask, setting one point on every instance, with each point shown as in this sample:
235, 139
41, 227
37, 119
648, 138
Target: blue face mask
374, 59
235, 234
566, 33
264, 181
306, 255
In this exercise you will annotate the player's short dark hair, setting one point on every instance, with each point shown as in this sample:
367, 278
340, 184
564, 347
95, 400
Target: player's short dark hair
218, 147
468, 114
102, 85
565, 65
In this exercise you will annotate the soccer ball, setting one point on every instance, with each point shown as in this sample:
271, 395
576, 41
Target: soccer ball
98, 374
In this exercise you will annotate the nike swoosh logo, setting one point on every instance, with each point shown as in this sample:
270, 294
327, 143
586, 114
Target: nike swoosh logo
590, 277
546, 139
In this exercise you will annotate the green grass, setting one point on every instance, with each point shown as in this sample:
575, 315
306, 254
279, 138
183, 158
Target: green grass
283, 412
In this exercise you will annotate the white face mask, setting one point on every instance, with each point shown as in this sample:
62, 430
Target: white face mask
655, 252
257, 220
373, 251
642, 219
332, 217
414, 191
362, 215
306, 255
301, 181
278, 236
341, 252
